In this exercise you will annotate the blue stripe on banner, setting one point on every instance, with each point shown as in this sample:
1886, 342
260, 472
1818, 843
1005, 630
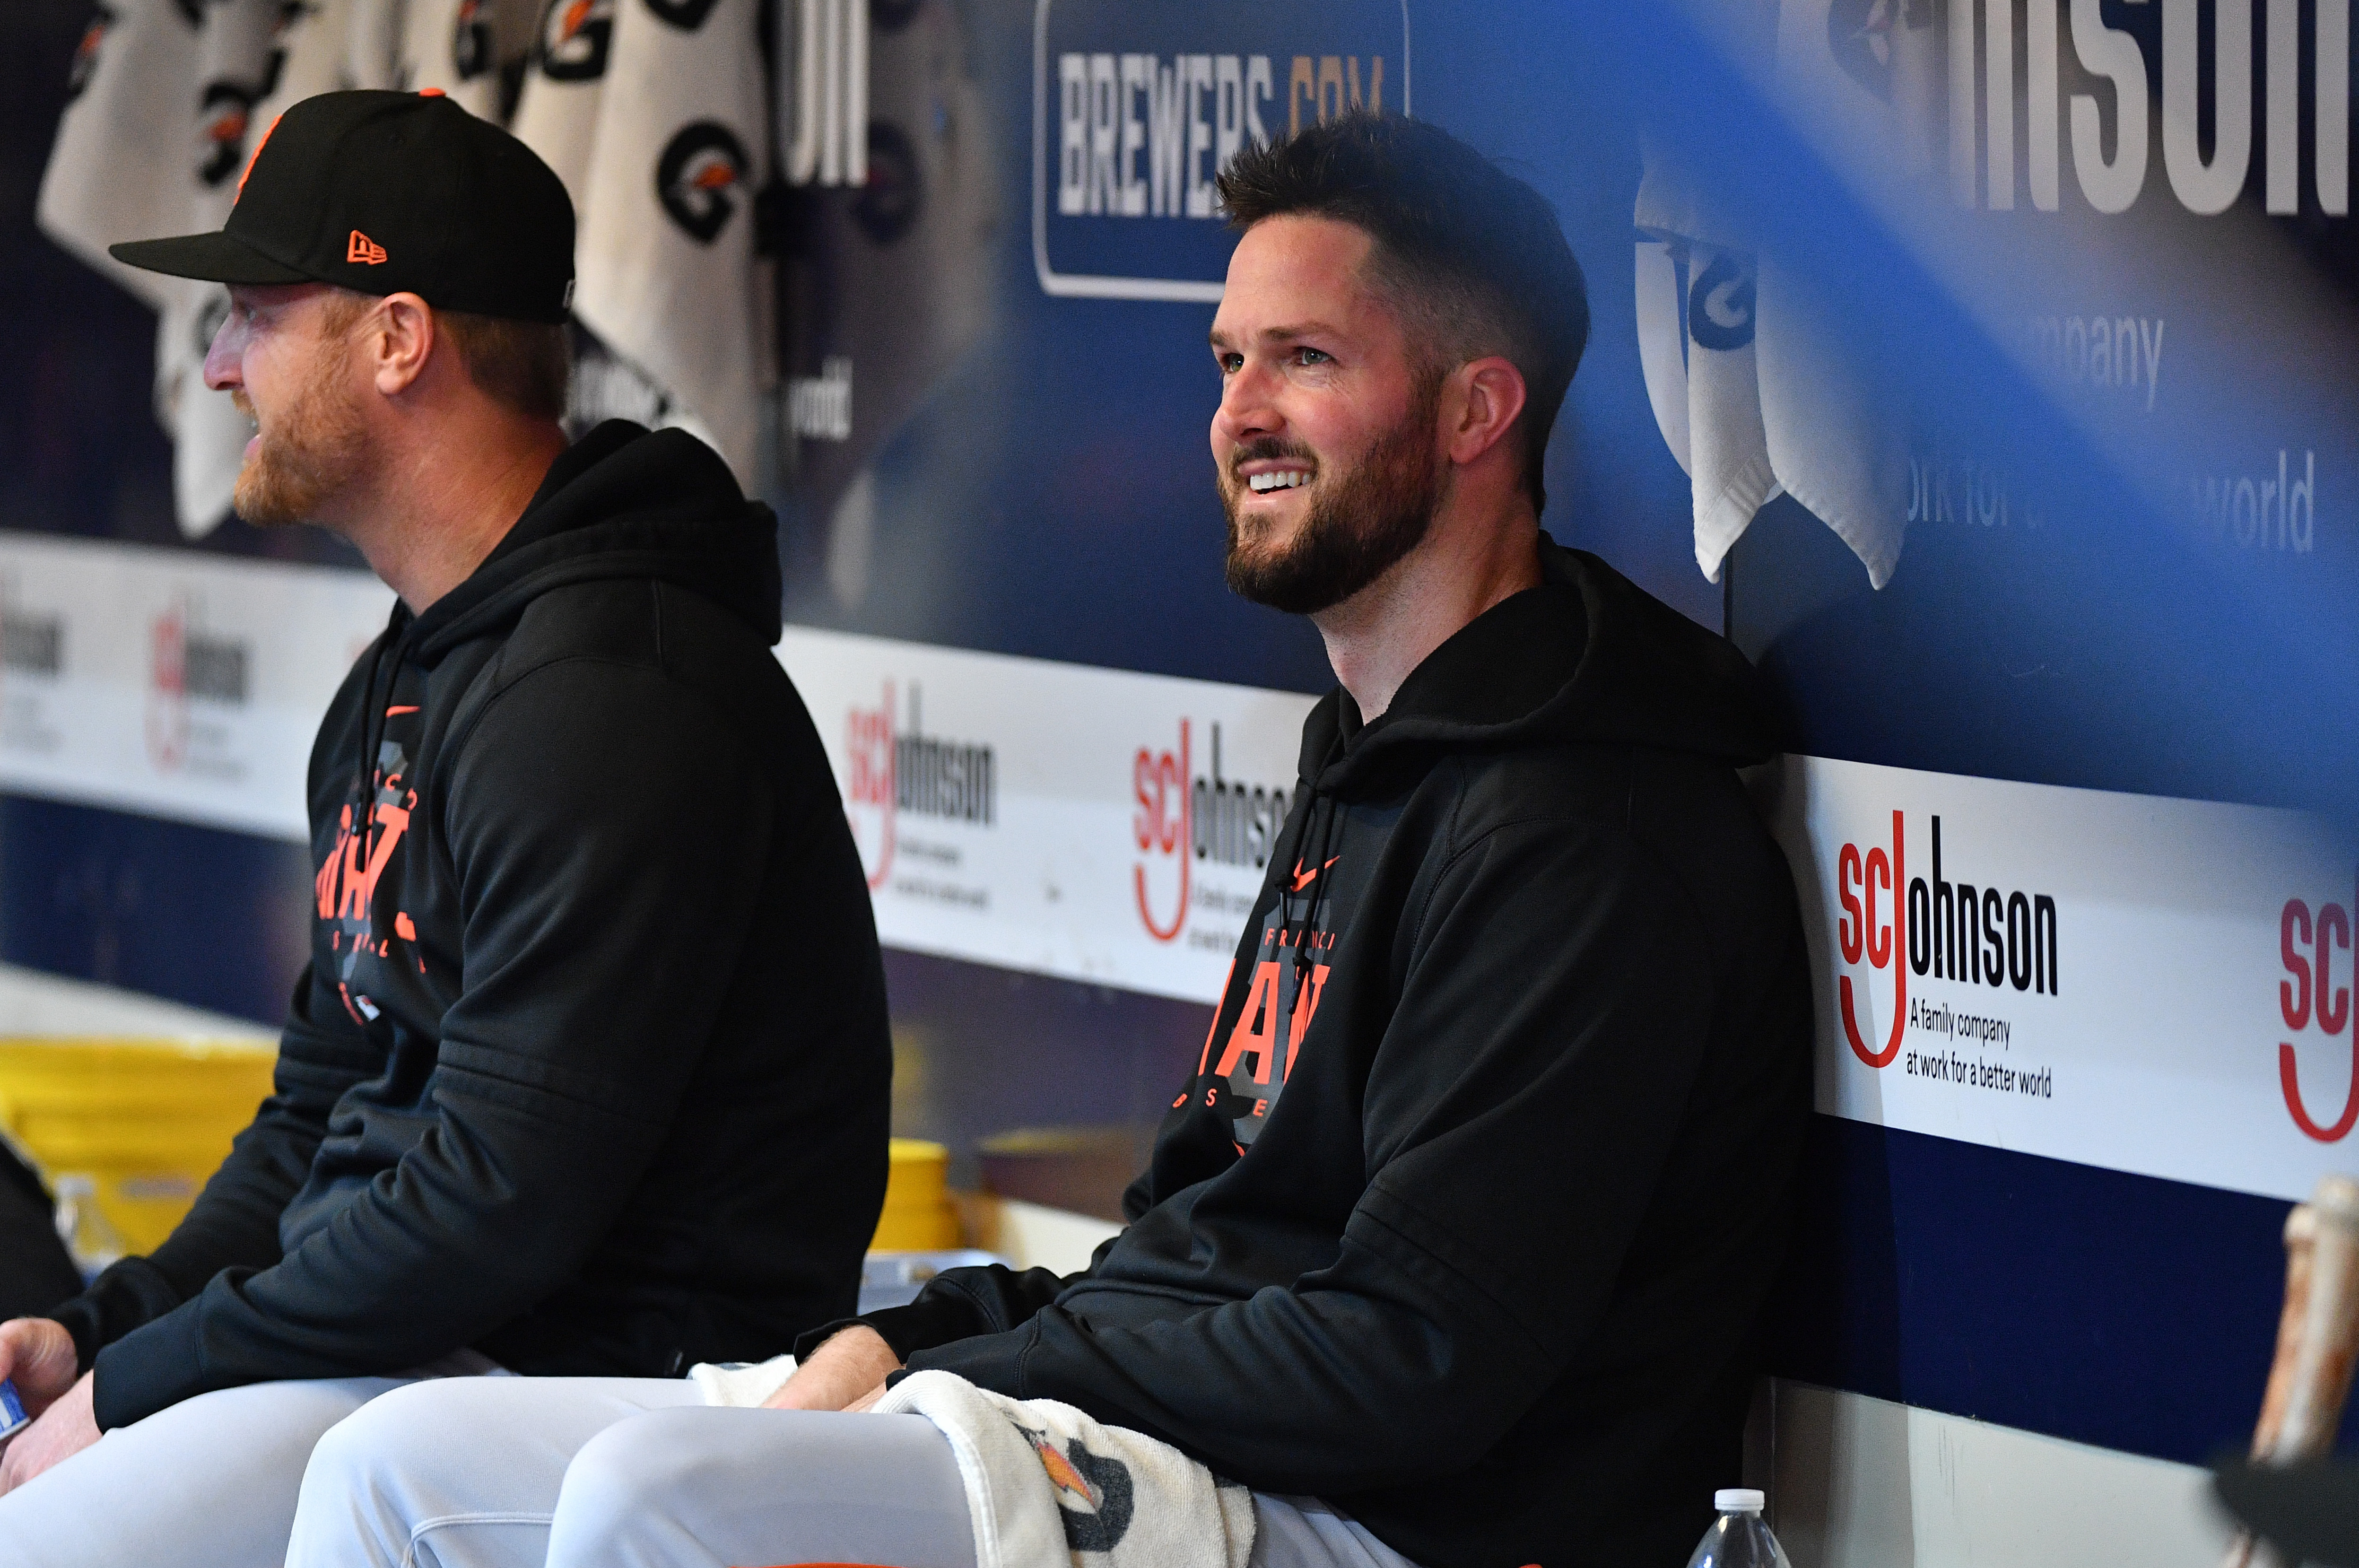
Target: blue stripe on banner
2124, 1311
204, 916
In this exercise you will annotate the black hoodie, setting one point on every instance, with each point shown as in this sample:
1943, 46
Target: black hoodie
590, 1067
1465, 1217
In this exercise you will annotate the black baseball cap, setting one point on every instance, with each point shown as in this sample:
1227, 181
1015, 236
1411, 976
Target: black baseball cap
383, 193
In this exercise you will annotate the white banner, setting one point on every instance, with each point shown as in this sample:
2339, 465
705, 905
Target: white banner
171, 683
1094, 824
2159, 987
2152, 986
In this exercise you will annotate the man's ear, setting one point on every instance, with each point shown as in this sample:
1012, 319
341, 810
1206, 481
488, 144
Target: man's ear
1489, 394
398, 338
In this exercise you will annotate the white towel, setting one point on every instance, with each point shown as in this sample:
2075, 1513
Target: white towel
121, 156
1696, 295
1748, 386
1862, 83
740, 1385
1750, 396
667, 278
462, 47
1045, 1484
556, 116
152, 143
1835, 447
237, 60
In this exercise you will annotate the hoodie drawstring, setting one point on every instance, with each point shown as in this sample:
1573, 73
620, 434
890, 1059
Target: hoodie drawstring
372, 715
1322, 809
369, 720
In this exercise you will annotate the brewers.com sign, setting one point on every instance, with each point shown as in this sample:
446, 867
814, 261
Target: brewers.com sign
1136, 108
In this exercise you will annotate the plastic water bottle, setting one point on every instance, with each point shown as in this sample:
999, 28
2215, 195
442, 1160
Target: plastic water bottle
89, 1235
1738, 1539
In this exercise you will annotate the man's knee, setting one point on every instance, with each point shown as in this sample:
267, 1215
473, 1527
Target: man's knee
396, 1430
648, 1462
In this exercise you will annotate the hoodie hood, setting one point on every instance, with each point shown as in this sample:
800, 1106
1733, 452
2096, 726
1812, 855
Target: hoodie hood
1587, 656
623, 501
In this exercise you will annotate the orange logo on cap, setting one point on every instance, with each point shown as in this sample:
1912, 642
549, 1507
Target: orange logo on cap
255, 154
362, 248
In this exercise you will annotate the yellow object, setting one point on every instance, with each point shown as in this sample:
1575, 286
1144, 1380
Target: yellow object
146, 1120
917, 1214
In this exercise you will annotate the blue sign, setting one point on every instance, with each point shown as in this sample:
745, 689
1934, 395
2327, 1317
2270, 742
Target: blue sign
1134, 109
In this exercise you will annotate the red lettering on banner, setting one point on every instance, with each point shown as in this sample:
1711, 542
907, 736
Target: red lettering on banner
869, 782
1161, 828
1885, 944
1849, 927
2313, 993
2334, 1001
2292, 1084
1880, 937
2293, 999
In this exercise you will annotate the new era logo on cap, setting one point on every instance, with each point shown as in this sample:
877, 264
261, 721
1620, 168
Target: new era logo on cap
362, 248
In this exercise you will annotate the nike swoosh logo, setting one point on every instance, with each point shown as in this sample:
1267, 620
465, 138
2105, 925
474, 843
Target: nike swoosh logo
1304, 878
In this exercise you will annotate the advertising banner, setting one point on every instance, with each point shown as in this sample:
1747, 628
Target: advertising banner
1091, 825
2157, 986
171, 683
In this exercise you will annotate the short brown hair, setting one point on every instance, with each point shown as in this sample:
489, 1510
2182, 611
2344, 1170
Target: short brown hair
527, 365
1470, 254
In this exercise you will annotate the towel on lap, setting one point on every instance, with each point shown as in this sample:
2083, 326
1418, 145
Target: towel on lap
1044, 1480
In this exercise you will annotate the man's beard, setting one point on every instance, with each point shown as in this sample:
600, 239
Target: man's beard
1352, 534
320, 443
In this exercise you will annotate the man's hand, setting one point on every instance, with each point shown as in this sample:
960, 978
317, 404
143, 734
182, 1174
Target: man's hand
37, 1354
64, 1429
847, 1373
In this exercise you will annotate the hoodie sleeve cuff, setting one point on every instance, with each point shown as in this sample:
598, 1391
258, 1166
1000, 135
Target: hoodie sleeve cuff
151, 1368
126, 1296
935, 1317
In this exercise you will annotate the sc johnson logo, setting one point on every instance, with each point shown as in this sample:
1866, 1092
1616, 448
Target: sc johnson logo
2196, 71
1135, 110
191, 670
2315, 949
890, 772
1939, 929
1183, 817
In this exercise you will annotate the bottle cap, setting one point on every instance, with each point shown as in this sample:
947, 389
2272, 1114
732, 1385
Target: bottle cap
1738, 1500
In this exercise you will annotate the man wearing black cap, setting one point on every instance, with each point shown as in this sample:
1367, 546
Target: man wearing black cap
588, 1074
